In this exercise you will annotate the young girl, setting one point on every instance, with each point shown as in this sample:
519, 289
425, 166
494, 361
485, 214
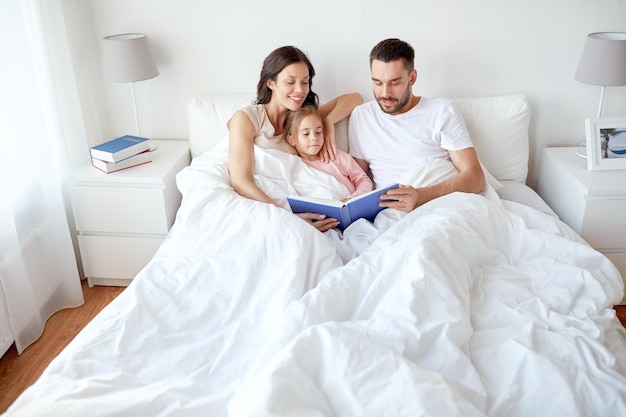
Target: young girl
304, 130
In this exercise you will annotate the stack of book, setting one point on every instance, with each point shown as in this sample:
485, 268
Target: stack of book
121, 153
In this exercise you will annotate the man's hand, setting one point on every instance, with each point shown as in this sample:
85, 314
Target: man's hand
403, 198
319, 221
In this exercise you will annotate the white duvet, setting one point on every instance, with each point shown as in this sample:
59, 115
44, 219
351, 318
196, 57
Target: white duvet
468, 306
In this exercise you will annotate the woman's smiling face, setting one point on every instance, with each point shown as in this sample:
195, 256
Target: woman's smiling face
291, 86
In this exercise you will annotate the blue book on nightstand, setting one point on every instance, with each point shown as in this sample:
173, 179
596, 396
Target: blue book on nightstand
121, 148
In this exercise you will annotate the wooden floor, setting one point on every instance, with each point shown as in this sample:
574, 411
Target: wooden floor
19, 372
621, 314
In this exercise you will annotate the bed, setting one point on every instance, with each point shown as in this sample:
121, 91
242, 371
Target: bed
471, 305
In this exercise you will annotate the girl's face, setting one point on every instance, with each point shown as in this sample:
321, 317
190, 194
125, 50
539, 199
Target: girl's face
291, 86
310, 137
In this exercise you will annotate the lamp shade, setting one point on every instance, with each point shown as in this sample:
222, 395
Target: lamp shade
603, 60
127, 58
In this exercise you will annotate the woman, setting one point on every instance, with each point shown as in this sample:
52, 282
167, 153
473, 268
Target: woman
284, 86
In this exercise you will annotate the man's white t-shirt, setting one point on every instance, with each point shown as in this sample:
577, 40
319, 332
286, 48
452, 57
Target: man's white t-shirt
393, 145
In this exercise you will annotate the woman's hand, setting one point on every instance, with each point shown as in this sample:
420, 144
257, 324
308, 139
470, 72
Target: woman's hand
332, 112
329, 149
319, 221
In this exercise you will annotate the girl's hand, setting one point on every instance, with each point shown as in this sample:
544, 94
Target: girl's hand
329, 149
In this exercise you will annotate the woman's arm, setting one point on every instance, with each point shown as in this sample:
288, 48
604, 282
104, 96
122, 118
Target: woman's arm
333, 112
241, 158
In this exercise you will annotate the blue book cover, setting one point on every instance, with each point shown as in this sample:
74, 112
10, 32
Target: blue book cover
121, 148
363, 206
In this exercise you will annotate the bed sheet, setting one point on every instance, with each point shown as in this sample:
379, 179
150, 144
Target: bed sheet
469, 305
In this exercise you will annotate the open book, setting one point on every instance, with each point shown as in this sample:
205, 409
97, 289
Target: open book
363, 206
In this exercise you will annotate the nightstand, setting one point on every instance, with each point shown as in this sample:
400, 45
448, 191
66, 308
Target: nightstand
592, 203
123, 217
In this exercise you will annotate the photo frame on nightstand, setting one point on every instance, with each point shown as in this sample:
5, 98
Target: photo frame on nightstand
606, 143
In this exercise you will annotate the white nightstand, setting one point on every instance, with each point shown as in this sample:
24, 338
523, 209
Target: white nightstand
123, 217
593, 203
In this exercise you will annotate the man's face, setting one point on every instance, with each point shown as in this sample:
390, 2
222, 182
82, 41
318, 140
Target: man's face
392, 85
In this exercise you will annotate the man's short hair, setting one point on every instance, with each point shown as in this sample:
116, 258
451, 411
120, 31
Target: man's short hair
393, 49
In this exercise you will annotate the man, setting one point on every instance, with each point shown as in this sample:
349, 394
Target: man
400, 131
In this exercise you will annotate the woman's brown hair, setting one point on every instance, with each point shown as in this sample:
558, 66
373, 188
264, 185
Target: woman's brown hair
275, 62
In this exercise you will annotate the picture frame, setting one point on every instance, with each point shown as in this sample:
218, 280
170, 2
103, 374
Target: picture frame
606, 143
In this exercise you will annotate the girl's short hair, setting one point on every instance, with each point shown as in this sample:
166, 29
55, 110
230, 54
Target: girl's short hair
275, 62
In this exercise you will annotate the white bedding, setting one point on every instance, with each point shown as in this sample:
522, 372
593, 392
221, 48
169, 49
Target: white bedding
469, 305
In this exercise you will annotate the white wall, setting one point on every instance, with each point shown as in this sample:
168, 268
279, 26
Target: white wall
464, 48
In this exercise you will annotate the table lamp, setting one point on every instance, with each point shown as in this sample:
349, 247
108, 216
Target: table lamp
603, 62
127, 58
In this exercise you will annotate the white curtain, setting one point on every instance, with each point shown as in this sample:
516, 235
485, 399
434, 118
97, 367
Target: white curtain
38, 271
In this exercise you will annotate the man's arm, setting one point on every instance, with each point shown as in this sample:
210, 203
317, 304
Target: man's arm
470, 179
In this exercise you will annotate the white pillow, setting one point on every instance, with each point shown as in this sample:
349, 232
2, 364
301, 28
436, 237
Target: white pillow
207, 115
498, 127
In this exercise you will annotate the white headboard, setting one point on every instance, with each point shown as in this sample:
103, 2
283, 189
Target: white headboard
498, 126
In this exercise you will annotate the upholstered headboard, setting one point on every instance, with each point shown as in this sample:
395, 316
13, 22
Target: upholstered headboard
498, 126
